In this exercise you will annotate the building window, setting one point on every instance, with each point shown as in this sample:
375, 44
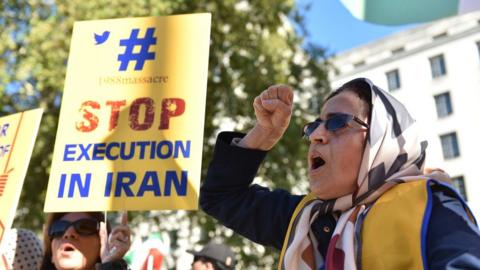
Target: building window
459, 184
439, 36
398, 50
359, 64
437, 64
443, 105
450, 145
393, 79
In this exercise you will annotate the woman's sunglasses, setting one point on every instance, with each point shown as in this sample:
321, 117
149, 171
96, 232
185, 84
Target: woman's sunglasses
84, 227
335, 122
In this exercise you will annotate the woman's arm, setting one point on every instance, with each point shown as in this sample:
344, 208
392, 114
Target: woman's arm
227, 194
253, 211
453, 240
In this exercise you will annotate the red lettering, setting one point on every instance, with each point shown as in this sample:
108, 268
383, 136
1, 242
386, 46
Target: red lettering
92, 119
171, 107
149, 113
141, 115
115, 112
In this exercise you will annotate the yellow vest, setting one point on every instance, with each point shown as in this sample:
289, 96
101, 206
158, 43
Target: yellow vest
394, 231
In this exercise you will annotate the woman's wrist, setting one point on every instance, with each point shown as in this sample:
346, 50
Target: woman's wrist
260, 138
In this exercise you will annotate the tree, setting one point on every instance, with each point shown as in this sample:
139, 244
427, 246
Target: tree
253, 45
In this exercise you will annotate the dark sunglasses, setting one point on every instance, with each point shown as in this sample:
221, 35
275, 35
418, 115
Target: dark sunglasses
334, 123
84, 227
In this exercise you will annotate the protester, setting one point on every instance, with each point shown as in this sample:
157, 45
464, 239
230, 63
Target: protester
213, 256
80, 240
21, 250
370, 207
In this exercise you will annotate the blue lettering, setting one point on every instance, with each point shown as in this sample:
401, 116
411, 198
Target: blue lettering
122, 151
84, 151
83, 188
152, 149
185, 150
61, 189
155, 186
68, 151
108, 151
108, 185
125, 150
3, 132
142, 148
169, 149
172, 178
4, 149
130, 176
123, 184
98, 149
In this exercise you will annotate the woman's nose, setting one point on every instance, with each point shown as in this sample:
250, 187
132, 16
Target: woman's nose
70, 233
319, 135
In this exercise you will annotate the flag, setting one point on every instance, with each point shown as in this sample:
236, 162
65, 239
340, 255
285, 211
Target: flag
149, 254
397, 12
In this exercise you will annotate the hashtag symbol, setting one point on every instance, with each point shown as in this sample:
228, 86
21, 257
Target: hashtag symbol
141, 56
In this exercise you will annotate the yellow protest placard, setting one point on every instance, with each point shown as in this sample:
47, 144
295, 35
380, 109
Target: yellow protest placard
131, 123
17, 137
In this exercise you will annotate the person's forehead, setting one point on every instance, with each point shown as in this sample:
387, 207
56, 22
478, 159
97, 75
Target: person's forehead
75, 216
345, 102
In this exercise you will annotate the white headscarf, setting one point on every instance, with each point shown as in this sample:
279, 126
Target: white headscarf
394, 153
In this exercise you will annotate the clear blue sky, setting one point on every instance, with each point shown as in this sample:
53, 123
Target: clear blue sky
332, 26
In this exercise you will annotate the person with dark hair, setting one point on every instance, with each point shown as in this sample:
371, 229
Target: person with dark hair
213, 256
370, 206
81, 240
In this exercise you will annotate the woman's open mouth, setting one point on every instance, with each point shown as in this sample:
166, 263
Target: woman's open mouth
316, 162
67, 248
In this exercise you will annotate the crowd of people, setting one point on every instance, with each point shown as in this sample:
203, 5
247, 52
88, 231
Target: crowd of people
371, 205
84, 241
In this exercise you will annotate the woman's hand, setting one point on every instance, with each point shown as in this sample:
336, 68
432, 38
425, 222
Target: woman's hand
115, 246
273, 109
437, 174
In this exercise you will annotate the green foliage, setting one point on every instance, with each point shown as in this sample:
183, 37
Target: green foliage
253, 45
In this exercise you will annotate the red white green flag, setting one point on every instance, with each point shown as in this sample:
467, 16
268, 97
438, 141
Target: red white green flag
397, 12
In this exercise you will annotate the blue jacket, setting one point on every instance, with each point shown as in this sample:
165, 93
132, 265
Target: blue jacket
263, 215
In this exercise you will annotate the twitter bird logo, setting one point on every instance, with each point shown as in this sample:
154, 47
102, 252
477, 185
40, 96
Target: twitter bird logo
99, 39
